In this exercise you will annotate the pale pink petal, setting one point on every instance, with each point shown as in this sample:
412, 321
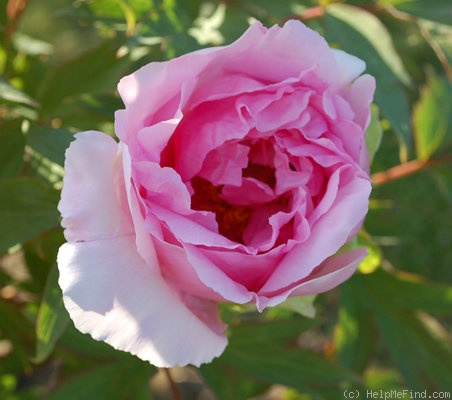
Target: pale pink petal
360, 97
114, 296
148, 92
93, 204
348, 68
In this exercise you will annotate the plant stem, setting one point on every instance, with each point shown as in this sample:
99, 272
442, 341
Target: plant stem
407, 168
174, 389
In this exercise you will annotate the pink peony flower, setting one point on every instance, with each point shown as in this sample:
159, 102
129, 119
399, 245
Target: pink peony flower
239, 173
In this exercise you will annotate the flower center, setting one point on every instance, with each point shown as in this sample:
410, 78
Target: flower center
231, 219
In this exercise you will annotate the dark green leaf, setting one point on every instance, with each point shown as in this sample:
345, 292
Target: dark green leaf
435, 10
411, 294
12, 148
16, 328
362, 34
118, 381
52, 317
93, 72
27, 207
421, 356
268, 351
49, 142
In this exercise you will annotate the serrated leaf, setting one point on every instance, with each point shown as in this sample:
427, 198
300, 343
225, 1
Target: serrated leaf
431, 116
27, 207
52, 317
363, 35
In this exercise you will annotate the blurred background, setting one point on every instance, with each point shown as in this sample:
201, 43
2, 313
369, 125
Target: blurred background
387, 328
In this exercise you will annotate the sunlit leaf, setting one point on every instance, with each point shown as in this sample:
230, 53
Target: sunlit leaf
303, 305
431, 116
374, 133
52, 317
10, 93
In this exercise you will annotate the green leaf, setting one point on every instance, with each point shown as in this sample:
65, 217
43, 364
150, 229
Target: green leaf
363, 35
354, 334
431, 116
10, 93
95, 71
410, 292
374, 133
417, 345
12, 148
49, 142
268, 351
423, 359
52, 317
435, 10
15, 327
303, 305
121, 380
27, 207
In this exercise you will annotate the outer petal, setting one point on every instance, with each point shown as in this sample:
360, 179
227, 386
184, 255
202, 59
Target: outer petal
330, 274
93, 203
112, 294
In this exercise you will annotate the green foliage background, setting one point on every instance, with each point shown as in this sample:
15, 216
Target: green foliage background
386, 328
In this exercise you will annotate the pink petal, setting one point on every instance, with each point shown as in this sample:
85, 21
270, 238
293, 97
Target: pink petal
331, 273
328, 234
114, 296
93, 202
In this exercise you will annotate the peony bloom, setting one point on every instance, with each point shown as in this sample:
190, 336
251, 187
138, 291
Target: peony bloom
239, 173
